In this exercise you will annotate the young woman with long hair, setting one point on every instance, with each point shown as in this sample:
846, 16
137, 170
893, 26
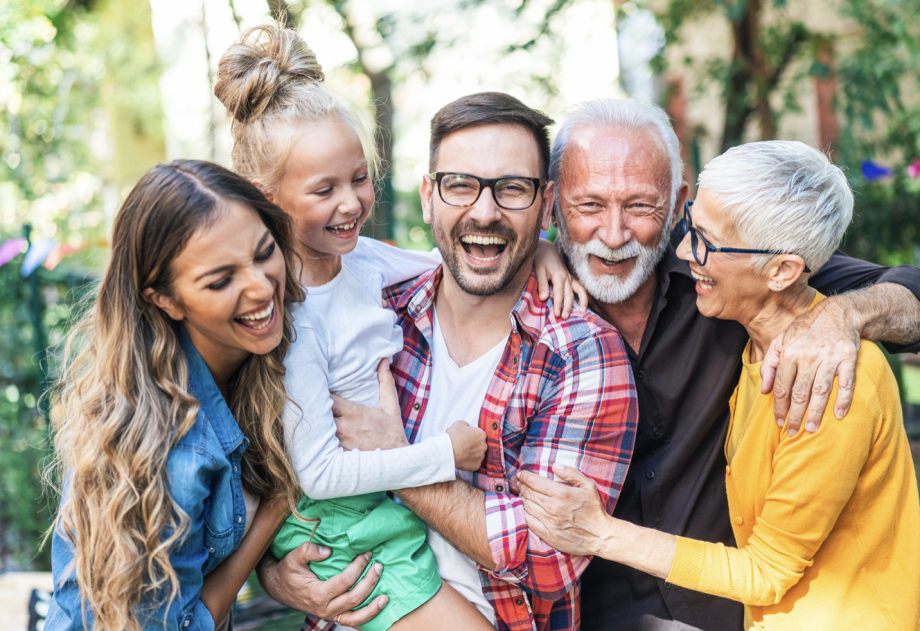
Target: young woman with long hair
167, 418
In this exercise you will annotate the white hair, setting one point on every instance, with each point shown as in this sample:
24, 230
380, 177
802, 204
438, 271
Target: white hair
782, 196
626, 115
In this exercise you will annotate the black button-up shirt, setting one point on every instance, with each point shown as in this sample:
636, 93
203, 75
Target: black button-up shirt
685, 371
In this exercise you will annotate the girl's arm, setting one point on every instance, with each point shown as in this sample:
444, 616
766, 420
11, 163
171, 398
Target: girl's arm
223, 584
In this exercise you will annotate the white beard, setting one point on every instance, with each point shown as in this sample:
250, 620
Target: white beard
609, 288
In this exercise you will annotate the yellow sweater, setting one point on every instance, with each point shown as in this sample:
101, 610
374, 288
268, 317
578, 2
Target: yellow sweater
827, 524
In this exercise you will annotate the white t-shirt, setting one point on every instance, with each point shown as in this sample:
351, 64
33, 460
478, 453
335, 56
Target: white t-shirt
457, 394
342, 333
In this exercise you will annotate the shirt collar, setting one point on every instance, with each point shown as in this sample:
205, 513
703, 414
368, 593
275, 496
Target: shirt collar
212, 402
670, 264
528, 315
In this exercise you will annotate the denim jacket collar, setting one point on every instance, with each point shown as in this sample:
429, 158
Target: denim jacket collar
213, 404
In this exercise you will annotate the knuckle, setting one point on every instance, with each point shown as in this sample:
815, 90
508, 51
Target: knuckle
799, 396
820, 388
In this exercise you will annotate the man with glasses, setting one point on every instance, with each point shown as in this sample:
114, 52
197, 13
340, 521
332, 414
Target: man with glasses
481, 346
618, 172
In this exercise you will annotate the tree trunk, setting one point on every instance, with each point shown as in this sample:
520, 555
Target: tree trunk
382, 85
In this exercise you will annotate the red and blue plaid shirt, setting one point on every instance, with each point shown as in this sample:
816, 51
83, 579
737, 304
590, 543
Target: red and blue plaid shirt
563, 393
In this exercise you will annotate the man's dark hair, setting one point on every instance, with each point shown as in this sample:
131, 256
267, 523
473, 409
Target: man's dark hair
489, 108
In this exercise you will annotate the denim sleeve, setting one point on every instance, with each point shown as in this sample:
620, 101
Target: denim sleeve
844, 273
191, 485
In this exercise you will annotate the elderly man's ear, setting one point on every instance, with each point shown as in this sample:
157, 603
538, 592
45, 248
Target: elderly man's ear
682, 194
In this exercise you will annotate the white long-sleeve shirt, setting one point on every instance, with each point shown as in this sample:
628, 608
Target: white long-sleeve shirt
342, 333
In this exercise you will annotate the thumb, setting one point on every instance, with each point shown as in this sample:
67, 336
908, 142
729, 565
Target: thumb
770, 362
389, 402
309, 552
573, 476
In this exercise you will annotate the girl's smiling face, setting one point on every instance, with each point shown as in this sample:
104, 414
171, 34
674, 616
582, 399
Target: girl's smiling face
326, 188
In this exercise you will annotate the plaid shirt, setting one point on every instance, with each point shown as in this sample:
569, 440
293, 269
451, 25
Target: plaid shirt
563, 393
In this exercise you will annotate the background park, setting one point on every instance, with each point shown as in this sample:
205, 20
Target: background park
94, 92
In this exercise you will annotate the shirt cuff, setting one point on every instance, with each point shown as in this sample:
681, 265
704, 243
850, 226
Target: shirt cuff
506, 527
443, 454
687, 567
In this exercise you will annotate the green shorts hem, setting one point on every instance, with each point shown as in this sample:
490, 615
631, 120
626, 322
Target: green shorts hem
404, 604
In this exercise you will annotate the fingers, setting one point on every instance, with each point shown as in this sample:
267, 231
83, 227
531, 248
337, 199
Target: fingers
799, 398
574, 477
782, 390
340, 406
389, 402
770, 362
537, 482
820, 393
846, 384
346, 600
542, 283
582, 294
356, 618
568, 297
309, 552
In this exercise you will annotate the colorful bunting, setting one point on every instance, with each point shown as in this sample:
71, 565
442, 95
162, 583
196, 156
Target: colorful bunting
10, 249
873, 172
913, 170
59, 252
37, 255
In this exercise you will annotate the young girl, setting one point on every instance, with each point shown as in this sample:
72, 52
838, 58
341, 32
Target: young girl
168, 417
304, 150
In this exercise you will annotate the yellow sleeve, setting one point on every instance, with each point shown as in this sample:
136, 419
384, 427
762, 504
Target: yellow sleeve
814, 477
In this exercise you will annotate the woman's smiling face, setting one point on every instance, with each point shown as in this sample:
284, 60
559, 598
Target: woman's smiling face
728, 287
326, 187
228, 288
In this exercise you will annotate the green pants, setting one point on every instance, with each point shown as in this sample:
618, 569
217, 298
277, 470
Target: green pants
351, 526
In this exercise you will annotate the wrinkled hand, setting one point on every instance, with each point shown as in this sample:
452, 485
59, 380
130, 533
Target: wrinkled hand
380, 427
551, 268
802, 362
569, 517
469, 445
291, 583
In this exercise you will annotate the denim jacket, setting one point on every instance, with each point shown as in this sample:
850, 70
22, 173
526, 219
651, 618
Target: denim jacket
204, 480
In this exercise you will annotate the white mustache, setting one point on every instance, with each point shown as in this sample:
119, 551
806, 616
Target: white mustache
628, 250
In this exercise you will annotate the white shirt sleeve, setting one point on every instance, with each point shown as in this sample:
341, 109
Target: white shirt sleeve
323, 467
387, 264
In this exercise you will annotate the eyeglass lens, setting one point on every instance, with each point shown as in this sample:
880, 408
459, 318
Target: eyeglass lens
512, 193
700, 251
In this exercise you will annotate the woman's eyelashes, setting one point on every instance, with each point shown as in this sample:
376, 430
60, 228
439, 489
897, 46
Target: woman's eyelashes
219, 284
260, 258
267, 253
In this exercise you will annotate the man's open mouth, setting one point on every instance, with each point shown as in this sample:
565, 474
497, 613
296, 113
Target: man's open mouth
483, 248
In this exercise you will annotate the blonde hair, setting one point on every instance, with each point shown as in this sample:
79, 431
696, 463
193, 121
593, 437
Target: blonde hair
270, 82
123, 398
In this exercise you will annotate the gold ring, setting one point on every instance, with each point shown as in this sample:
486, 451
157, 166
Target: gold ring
336, 619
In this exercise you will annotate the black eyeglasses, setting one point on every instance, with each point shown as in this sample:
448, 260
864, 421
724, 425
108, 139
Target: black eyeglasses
702, 247
510, 193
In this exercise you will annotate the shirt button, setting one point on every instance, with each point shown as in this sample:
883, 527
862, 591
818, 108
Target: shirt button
185, 624
499, 488
494, 425
234, 467
728, 470
667, 586
417, 407
738, 520
650, 475
518, 601
640, 375
656, 432
239, 519
514, 360
211, 550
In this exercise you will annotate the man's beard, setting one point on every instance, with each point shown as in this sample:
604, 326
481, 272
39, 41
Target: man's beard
491, 281
609, 288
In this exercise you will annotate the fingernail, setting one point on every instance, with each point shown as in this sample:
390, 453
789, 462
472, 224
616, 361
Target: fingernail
323, 549
840, 413
780, 422
811, 427
382, 601
793, 432
378, 568
367, 556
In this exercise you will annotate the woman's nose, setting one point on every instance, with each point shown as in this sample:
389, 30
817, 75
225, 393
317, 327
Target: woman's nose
684, 249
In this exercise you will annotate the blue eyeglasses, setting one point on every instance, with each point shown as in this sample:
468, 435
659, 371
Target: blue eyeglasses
702, 247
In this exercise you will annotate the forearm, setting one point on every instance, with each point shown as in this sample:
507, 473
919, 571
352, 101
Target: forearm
223, 584
886, 312
647, 550
456, 511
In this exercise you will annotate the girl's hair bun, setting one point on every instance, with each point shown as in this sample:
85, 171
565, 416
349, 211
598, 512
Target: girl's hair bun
263, 70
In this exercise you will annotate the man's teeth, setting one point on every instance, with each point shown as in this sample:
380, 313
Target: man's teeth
265, 314
704, 280
345, 227
478, 240
491, 258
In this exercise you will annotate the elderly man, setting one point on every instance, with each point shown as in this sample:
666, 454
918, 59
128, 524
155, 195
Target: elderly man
617, 168
481, 346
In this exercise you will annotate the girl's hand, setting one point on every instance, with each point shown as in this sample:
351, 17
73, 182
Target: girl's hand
569, 517
551, 269
469, 445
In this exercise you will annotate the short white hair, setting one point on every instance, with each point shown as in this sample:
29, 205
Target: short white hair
625, 115
782, 196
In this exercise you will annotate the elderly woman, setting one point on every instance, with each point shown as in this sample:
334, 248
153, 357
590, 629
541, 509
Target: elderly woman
827, 524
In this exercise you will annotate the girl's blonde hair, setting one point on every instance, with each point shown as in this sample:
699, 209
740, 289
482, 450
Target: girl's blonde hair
270, 82
123, 402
